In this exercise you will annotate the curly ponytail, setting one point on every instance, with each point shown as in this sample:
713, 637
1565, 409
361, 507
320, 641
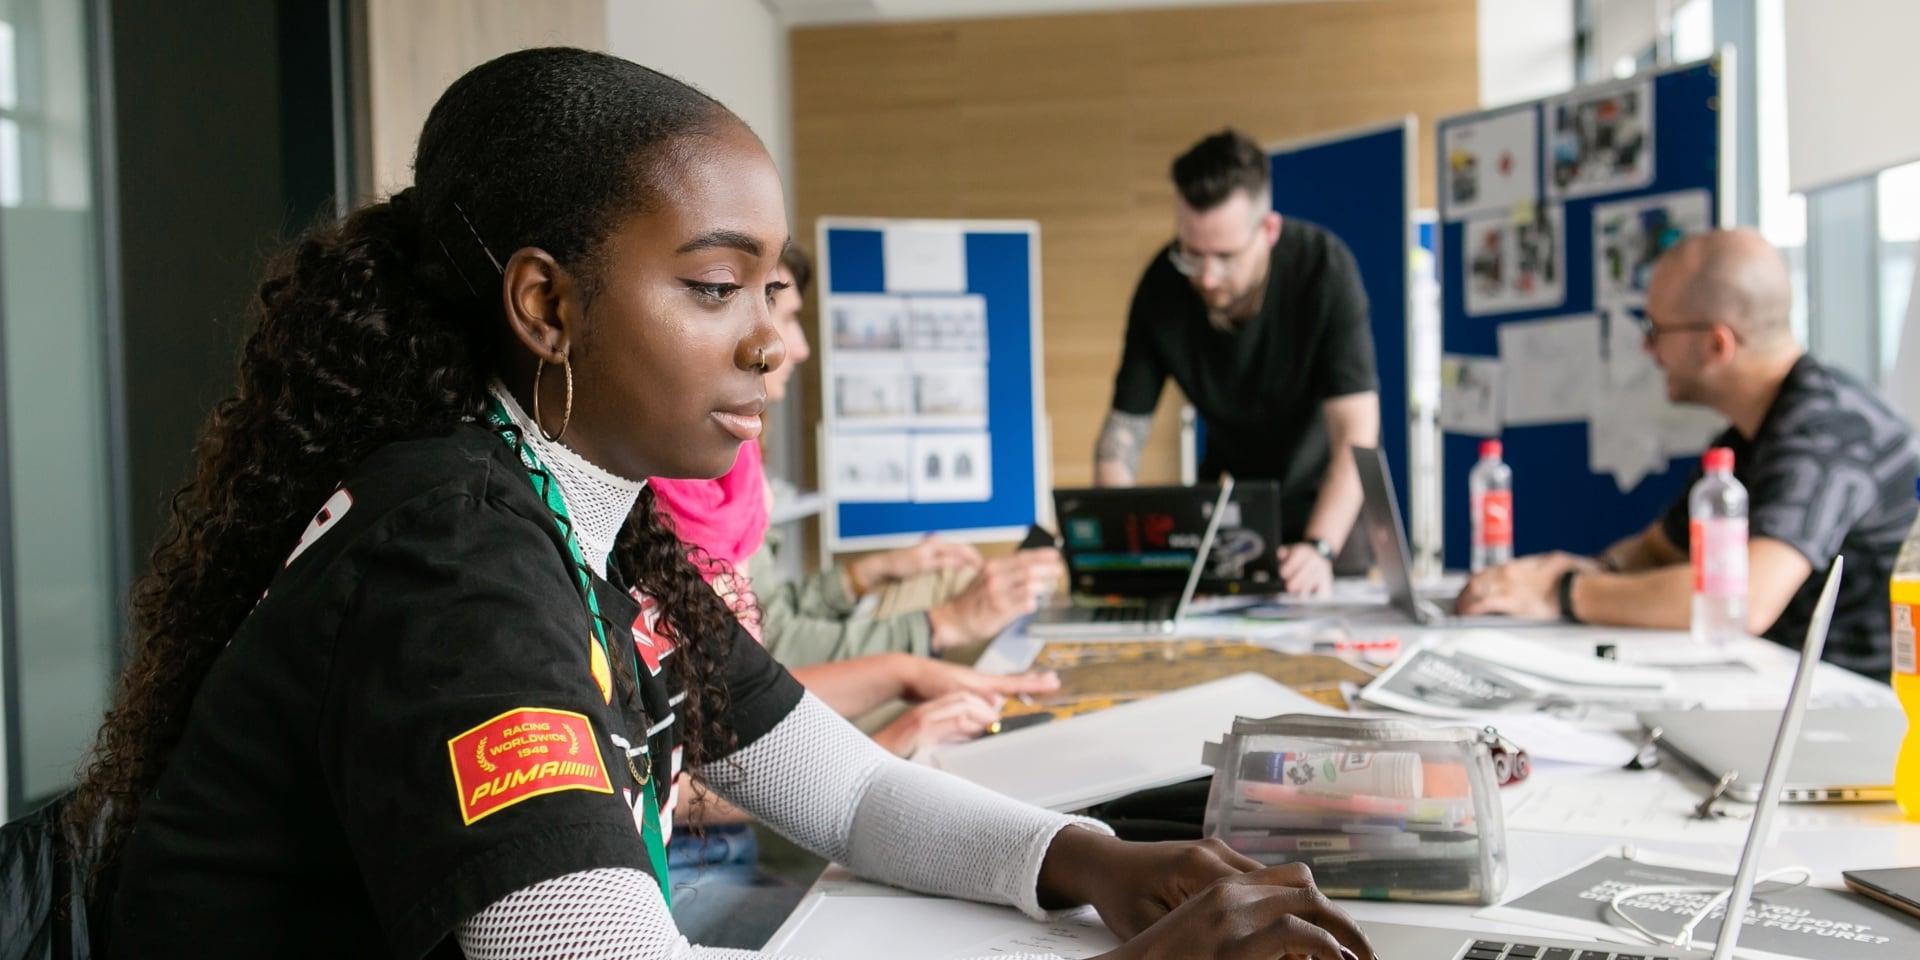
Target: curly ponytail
382, 327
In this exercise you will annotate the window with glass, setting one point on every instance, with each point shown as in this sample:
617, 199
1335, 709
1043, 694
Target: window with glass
58, 613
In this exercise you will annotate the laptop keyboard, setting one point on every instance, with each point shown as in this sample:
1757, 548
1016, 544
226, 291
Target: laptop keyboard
1499, 950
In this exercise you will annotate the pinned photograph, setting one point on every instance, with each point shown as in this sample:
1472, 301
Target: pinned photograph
872, 397
947, 324
1470, 395
871, 467
950, 395
951, 467
1491, 163
1630, 235
868, 321
1515, 264
1600, 142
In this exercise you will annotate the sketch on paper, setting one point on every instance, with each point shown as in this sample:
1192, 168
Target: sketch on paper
1491, 163
1551, 369
947, 324
871, 467
950, 395
868, 397
1470, 395
1515, 264
951, 467
868, 322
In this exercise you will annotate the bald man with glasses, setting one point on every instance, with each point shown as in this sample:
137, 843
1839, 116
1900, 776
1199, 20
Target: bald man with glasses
1829, 469
1263, 324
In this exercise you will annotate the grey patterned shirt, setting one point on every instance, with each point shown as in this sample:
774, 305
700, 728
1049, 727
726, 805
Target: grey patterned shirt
1831, 471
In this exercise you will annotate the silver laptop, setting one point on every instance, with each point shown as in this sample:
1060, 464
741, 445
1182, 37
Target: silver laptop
1845, 754
1380, 511
1158, 615
1402, 942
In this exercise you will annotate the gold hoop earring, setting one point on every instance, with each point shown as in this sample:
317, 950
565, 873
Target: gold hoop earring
566, 414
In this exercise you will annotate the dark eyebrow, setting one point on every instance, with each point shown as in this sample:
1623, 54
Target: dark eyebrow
722, 238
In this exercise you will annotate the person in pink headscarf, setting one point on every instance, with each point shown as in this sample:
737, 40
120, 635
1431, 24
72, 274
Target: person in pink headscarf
853, 663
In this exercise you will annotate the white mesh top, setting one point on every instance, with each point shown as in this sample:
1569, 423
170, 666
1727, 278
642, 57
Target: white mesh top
597, 501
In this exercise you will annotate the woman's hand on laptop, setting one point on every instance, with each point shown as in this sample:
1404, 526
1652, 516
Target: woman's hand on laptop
1198, 899
1006, 589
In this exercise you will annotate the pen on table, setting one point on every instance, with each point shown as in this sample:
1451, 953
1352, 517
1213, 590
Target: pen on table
1010, 724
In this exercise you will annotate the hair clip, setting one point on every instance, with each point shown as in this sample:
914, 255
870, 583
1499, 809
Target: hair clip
476, 239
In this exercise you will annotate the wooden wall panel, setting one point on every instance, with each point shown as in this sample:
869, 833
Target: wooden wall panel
1074, 120
416, 48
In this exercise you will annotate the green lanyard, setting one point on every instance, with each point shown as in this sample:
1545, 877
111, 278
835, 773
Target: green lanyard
547, 487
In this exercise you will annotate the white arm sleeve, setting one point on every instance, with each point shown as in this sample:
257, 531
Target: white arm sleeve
830, 789
596, 915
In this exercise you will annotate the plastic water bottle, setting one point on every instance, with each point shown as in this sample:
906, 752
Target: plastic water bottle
1718, 510
1491, 487
1906, 668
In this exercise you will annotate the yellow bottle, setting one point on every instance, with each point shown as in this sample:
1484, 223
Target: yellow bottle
1906, 668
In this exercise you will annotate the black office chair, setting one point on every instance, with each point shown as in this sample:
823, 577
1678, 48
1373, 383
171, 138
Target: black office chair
44, 911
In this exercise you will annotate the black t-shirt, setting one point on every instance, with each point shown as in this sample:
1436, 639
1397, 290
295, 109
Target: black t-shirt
411, 725
1830, 471
1259, 387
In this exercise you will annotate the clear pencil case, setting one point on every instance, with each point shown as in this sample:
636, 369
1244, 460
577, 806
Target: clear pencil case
1380, 809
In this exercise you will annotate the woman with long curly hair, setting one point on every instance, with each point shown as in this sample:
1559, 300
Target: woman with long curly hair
415, 655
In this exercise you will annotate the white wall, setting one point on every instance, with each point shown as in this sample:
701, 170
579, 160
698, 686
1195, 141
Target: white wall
1526, 50
735, 50
1850, 80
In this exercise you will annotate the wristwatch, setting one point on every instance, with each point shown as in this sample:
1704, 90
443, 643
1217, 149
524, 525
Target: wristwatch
1323, 548
1566, 596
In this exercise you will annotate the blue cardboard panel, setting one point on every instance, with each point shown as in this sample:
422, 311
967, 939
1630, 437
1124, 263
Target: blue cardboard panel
999, 269
1354, 187
1559, 503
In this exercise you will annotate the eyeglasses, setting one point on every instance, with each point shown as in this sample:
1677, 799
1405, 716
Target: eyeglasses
1193, 264
1651, 333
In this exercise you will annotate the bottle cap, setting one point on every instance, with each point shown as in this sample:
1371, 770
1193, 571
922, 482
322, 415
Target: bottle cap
1719, 458
1489, 448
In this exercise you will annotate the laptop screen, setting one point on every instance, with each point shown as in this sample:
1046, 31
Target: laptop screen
1141, 541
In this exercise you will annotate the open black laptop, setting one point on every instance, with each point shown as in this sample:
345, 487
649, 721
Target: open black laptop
1139, 542
1157, 613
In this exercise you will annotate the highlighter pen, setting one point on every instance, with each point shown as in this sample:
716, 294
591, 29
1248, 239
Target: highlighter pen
1010, 724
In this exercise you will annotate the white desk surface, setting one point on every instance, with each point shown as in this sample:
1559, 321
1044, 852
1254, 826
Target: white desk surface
843, 918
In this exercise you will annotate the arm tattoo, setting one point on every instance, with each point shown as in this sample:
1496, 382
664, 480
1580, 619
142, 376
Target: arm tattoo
1121, 439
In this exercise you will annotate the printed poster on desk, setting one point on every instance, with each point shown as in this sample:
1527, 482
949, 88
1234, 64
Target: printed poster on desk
1600, 141
1434, 682
1785, 921
1515, 261
1491, 164
1630, 235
